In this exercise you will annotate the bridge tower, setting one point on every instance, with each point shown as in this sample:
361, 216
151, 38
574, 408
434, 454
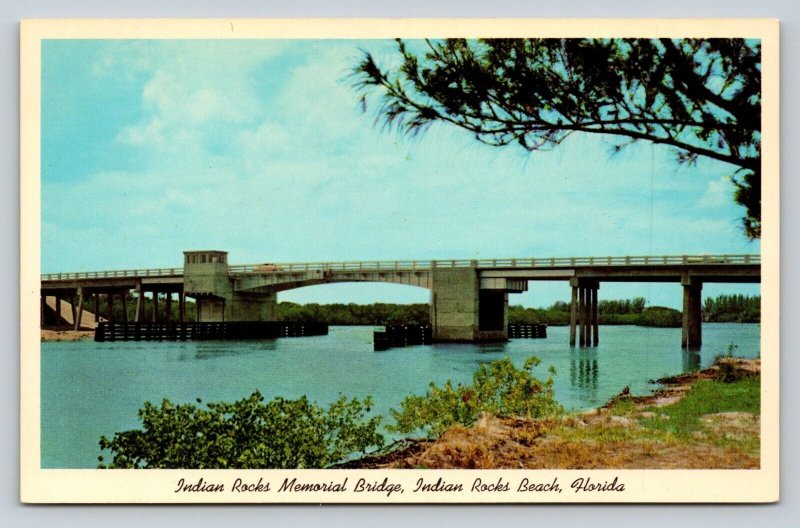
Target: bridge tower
206, 278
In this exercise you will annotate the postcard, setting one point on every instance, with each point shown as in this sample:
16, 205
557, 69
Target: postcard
399, 261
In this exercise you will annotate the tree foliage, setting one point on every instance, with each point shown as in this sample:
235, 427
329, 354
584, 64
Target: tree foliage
700, 97
245, 434
499, 388
355, 314
732, 309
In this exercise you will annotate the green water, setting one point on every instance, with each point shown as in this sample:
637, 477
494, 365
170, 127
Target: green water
91, 389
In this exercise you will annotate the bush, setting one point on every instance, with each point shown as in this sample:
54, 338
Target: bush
499, 388
245, 434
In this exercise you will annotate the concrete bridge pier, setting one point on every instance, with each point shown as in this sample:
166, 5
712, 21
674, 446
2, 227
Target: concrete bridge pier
463, 311
139, 315
182, 307
583, 325
691, 335
77, 320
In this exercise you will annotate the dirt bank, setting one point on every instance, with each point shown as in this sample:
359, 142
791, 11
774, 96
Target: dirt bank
67, 335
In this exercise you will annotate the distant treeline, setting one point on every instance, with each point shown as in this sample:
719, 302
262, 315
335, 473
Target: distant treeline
632, 311
732, 309
720, 309
355, 314
616, 312
723, 308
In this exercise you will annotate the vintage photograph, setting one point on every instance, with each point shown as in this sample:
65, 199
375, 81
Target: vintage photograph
385, 255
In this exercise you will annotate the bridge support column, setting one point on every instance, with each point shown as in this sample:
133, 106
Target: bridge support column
691, 335
591, 293
583, 318
124, 298
58, 310
182, 307
73, 310
595, 320
77, 320
168, 306
96, 307
155, 306
109, 307
139, 316
573, 312
582, 314
461, 311
251, 307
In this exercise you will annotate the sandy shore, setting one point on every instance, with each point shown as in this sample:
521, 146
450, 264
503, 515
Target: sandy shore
67, 335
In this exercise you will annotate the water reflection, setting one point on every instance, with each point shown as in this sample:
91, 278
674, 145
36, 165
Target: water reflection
219, 349
492, 348
583, 368
691, 360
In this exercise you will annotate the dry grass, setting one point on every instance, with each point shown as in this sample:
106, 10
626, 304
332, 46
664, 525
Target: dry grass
503, 443
627, 433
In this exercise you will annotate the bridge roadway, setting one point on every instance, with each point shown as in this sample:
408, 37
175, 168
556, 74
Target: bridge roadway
469, 298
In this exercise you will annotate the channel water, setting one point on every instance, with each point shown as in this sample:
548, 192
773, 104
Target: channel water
91, 389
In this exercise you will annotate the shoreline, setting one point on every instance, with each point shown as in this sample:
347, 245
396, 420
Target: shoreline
51, 335
611, 436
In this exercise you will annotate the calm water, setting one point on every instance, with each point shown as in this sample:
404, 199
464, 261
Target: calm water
91, 389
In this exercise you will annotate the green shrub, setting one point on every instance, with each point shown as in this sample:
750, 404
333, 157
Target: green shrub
498, 388
245, 434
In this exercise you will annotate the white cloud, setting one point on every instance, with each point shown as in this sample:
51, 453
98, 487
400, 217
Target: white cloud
268, 156
719, 193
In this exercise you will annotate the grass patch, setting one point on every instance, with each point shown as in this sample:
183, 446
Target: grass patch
622, 406
706, 397
611, 433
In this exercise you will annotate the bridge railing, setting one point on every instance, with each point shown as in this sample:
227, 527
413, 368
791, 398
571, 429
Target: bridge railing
368, 265
426, 265
112, 274
650, 260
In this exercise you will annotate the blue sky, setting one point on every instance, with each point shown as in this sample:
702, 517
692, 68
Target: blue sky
260, 148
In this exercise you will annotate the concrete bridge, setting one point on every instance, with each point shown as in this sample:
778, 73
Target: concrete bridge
469, 298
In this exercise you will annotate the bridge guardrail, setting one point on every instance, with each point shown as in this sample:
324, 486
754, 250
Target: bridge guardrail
427, 265
112, 274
